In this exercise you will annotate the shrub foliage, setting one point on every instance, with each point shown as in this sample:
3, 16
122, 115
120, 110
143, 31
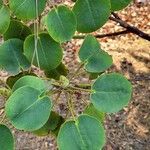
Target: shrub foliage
33, 39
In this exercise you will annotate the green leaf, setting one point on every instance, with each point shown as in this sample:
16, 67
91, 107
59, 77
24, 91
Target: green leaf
26, 9
1, 3
95, 60
11, 56
49, 53
61, 24
89, 47
91, 111
51, 125
85, 133
6, 138
12, 79
17, 30
98, 62
111, 92
5, 19
119, 4
91, 14
56, 73
31, 81
27, 109
93, 76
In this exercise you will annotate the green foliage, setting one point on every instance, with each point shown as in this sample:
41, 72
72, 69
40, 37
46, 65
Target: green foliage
91, 111
27, 109
56, 73
91, 14
61, 24
17, 30
12, 58
94, 58
111, 92
24, 9
6, 138
5, 19
31, 81
119, 4
52, 125
48, 55
32, 100
12, 79
84, 133
1, 3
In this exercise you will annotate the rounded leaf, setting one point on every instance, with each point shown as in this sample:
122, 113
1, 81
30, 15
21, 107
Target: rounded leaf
119, 4
26, 9
12, 79
89, 47
98, 62
94, 58
91, 111
27, 109
85, 133
51, 125
61, 24
111, 92
91, 14
16, 30
31, 81
5, 19
11, 56
56, 73
6, 138
49, 53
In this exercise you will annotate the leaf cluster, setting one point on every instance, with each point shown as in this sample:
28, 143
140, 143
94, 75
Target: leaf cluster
30, 103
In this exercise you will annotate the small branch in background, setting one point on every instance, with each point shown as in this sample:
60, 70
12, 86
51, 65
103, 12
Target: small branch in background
130, 28
103, 35
2, 107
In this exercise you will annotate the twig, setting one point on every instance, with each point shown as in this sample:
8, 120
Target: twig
69, 101
80, 89
130, 28
83, 86
56, 100
3, 118
2, 107
103, 35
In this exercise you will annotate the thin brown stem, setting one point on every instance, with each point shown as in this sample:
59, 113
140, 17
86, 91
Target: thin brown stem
129, 28
103, 35
69, 101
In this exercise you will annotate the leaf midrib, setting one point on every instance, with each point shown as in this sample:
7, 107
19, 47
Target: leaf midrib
76, 125
18, 115
43, 53
20, 6
91, 14
61, 23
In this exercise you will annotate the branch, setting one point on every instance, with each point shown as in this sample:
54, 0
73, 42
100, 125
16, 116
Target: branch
130, 28
103, 35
